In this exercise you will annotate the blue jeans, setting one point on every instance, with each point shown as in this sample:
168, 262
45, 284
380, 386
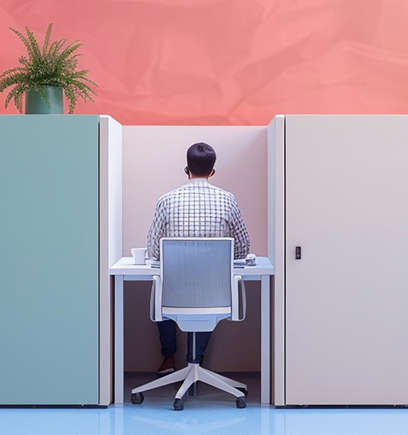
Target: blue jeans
167, 332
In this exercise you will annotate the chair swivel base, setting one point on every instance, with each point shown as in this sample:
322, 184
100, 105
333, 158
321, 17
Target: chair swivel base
189, 375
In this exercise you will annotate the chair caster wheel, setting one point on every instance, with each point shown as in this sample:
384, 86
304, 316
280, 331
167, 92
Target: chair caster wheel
241, 402
137, 398
243, 390
178, 405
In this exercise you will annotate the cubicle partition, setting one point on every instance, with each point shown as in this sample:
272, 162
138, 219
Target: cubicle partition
338, 226
60, 231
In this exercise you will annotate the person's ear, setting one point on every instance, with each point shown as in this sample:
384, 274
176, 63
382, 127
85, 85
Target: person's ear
187, 171
211, 173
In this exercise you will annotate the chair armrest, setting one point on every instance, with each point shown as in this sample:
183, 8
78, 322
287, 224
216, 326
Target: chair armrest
235, 299
156, 300
243, 297
151, 311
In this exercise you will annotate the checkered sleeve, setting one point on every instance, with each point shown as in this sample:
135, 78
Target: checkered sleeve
238, 231
157, 230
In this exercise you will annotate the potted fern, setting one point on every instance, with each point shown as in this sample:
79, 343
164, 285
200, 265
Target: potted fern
45, 74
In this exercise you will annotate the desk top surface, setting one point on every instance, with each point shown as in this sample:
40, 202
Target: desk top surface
124, 266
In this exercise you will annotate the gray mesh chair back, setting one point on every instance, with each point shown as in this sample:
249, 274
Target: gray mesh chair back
196, 273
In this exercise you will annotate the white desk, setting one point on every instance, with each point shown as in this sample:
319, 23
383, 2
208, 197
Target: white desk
124, 270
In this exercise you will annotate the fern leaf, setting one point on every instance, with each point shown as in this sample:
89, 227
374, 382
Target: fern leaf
12, 70
18, 99
82, 91
46, 40
17, 94
15, 79
80, 74
24, 61
24, 40
11, 95
70, 94
34, 44
89, 81
67, 52
72, 62
55, 47
85, 90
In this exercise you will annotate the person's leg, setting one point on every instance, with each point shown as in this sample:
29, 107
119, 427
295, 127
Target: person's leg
167, 333
202, 339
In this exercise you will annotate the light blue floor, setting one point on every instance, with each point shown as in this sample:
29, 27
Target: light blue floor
209, 413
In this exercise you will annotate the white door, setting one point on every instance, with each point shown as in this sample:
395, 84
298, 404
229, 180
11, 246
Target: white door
347, 297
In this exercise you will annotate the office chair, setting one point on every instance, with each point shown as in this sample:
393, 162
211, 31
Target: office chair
196, 289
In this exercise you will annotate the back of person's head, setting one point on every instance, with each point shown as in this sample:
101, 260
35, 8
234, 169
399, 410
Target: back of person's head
201, 159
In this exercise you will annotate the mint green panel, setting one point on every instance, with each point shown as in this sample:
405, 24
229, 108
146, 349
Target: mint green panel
48, 259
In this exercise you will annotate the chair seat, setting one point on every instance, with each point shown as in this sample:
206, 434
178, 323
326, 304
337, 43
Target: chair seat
196, 319
195, 311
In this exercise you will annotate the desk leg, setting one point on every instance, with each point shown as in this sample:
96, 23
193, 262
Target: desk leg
265, 340
119, 367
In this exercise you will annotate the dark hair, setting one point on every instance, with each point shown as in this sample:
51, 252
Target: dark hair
200, 159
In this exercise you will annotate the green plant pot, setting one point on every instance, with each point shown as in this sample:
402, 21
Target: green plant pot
36, 104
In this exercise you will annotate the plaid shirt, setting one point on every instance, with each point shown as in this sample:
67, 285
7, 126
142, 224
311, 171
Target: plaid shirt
198, 209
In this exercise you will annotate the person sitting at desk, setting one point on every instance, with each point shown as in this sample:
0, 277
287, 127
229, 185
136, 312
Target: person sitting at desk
196, 209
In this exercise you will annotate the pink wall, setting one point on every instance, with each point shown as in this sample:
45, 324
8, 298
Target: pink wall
228, 61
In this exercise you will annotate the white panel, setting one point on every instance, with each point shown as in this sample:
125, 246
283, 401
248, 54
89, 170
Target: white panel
110, 197
115, 191
347, 298
265, 340
276, 249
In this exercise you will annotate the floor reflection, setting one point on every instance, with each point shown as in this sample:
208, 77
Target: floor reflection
209, 413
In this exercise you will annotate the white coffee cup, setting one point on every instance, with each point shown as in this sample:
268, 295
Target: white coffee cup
139, 255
